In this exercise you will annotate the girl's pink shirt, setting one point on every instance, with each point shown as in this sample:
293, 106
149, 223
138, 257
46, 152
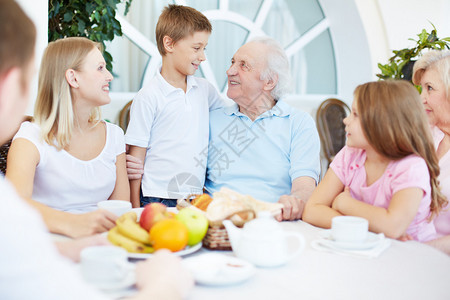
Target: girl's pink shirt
442, 221
408, 172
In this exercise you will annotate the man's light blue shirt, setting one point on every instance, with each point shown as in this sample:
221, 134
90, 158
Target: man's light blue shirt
261, 158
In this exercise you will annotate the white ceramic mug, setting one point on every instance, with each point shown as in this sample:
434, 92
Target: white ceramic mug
105, 264
349, 229
118, 207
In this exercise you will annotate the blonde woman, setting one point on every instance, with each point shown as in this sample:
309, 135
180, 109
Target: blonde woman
69, 160
432, 72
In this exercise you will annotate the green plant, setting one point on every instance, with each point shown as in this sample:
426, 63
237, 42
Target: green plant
401, 64
95, 20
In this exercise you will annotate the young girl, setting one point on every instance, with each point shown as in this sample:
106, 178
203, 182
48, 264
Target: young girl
388, 171
69, 160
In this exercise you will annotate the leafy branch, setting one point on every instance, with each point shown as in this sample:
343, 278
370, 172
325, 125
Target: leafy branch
95, 20
401, 64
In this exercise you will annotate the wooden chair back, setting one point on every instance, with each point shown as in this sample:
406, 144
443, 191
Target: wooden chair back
329, 118
124, 116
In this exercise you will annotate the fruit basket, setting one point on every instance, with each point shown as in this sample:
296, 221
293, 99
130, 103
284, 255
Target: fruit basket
225, 205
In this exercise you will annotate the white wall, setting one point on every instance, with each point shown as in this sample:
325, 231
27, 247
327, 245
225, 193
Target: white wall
37, 10
390, 24
406, 18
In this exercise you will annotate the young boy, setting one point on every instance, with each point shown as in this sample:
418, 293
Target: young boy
169, 118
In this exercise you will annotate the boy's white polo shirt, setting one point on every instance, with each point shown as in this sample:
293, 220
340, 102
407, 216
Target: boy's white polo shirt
174, 127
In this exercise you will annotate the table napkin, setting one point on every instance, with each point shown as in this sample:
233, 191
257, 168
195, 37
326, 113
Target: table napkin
374, 252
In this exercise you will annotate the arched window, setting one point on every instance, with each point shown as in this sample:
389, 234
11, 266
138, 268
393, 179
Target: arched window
324, 40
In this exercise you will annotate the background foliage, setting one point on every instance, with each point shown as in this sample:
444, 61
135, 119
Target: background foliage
95, 19
401, 64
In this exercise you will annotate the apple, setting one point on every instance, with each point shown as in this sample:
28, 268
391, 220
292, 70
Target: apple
153, 213
196, 222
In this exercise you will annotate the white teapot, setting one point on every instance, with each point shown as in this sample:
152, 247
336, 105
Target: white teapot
263, 242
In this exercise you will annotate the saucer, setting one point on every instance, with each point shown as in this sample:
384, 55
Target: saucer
128, 281
219, 269
371, 241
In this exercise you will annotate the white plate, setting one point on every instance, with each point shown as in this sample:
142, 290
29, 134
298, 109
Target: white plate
372, 241
219, 269
185, 251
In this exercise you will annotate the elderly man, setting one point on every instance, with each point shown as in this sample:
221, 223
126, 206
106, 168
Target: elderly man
260, 146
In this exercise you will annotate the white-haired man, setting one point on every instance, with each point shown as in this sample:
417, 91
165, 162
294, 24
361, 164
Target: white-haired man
261, 146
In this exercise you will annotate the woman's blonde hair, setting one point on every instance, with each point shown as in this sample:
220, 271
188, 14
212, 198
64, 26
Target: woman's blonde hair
395, 125
54, 109
437, 60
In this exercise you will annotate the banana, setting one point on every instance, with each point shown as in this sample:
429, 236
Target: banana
128, 244
128, 215
129, 228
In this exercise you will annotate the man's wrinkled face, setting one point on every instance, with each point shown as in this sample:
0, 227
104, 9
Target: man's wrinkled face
244, 83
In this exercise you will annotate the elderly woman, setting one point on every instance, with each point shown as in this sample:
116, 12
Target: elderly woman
432, 72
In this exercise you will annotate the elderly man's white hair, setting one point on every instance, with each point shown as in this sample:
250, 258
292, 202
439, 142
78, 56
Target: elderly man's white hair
277, 66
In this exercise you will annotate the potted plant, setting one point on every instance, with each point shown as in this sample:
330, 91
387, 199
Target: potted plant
92, 19
400, 65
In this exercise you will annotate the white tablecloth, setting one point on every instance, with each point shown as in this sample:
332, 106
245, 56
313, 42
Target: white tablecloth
407, 270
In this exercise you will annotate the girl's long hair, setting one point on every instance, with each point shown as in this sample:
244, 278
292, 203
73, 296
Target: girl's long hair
54, 109
395, 125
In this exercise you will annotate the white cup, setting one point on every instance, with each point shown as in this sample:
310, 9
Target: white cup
348, 229
118, 207
102, 265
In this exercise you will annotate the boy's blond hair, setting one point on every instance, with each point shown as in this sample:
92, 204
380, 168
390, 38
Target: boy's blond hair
177, 22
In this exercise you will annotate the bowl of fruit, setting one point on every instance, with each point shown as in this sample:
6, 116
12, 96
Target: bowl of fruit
144, 231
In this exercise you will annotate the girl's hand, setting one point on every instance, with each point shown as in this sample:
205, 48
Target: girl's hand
342, 199
90, 223
405, 237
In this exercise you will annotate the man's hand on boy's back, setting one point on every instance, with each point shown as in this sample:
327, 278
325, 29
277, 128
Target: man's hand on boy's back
135, 167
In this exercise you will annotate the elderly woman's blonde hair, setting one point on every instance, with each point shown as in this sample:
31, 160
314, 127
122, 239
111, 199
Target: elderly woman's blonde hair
54, 108
436, 60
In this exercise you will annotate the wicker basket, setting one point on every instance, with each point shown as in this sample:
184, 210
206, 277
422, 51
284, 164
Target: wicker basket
217, 239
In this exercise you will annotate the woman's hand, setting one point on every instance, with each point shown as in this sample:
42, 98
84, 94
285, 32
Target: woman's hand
90, 223
72, 248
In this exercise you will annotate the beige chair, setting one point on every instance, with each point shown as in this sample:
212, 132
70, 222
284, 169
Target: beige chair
329, 119
5, 148
124, 116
